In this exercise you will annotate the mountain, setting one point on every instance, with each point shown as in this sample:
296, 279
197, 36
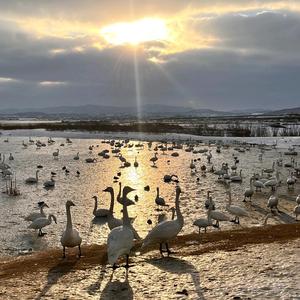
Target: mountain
149, 110
145, 111
287, 111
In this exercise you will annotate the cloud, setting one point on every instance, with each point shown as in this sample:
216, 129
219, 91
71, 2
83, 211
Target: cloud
222, 57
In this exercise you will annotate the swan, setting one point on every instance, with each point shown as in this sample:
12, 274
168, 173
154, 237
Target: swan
165, 231
273, 202
90, 160
76, 157
70, 238
298, 199
101, 212
273, 182
202, 223
237, 178
35, 215
209, 201
297, 212
42, 222
291, 180
55, 153
235, 210
216, 215
111, 220
169, 178
136, 164
159, 200
114, 222
120, 199
32, 180
258, 185
192, 165
163, 217
249, 192
11, 157
154, 159
120, 239
50, 183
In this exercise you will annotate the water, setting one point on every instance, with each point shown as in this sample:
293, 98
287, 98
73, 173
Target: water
16, 238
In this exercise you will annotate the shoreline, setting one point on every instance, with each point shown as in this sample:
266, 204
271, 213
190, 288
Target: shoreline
283, 142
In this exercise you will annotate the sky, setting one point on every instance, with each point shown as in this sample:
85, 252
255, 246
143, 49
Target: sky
222, 55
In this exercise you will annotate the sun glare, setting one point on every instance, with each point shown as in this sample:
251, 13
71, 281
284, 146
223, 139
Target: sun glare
136, 32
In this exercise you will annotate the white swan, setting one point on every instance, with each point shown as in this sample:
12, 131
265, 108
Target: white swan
165, 231
258, 185
112, 222
76, 157
249, 192
70, 238
120, 239
273, 182
237, 178
216, 215
49, 183
159, 200
273, 202
154, 159
100, 212
163, 217
291, 180
35, 215
55, 153
120, 199
203, 223
32, 180
235, 210
298, 199
42, 222
135, 164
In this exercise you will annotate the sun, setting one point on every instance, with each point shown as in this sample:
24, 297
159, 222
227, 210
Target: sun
136, 32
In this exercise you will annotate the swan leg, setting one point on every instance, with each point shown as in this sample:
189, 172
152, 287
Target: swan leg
168, 250
79, 249
161, 249
64, 252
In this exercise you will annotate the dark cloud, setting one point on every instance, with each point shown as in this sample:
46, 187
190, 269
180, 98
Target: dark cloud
254, 64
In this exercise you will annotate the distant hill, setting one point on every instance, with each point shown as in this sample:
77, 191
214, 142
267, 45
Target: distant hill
287, 111
148, 110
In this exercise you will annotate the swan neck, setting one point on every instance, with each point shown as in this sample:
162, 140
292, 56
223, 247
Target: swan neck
96, 205
173, 214
69, 218
229, 199
112, 201
177, 208
126, 220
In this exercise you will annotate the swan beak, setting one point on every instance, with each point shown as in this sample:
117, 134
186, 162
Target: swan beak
105, 190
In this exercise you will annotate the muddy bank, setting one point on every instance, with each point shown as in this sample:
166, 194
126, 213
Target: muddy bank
192, 244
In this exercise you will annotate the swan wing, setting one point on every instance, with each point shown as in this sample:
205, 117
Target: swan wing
119, 242
33, 216
39, 223
162, 232
71, 238
236, 210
